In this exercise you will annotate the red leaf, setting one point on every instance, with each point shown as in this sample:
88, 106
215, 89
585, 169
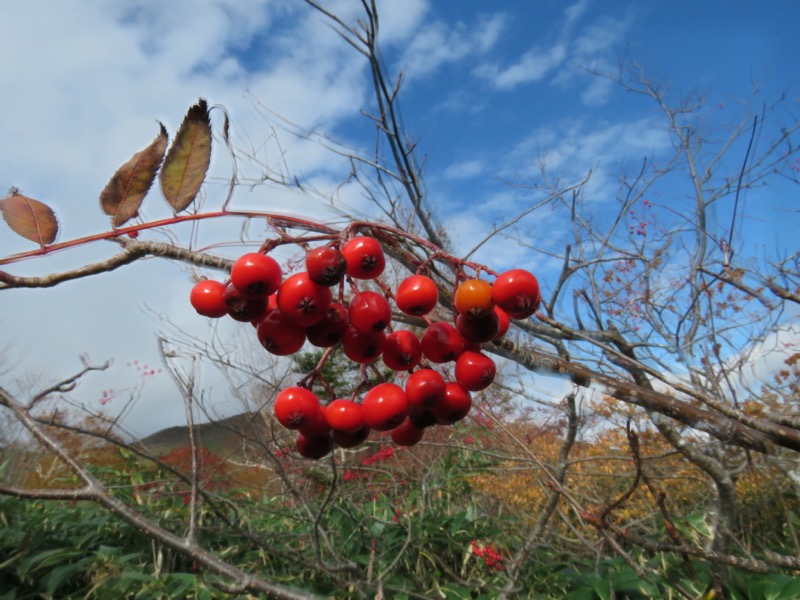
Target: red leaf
30, 218
126, 189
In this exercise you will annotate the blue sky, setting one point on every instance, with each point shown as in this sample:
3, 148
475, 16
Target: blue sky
489, 88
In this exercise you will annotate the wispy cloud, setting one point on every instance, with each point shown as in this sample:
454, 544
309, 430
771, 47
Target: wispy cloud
95, 78
531, 67
464, 169
562, 59
437, 43
571, 148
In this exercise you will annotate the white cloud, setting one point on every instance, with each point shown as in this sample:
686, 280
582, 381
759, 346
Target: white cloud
86, 83
399, 20
436, 44
574, 12
563, 60
533, 66
464, 169
597, 92
573, 147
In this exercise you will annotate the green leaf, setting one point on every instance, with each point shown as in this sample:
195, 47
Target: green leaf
582, 594
49, 558
187, 161
781, 587
126, 189
377, 529
55, 578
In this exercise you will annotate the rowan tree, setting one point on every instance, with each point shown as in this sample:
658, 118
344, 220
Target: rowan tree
651, 326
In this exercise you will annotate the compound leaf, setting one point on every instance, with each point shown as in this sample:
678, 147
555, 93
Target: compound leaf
188, 158
30, 218
126, 189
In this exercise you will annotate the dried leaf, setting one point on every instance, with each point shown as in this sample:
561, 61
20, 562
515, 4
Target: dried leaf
188, 158
30, 218
126, 189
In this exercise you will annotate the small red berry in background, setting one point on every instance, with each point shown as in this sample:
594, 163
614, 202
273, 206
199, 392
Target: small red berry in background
256, 275
417, 295
385, 406
208, 298
365, 258
473, 298
326, 266
475, 371
517, 293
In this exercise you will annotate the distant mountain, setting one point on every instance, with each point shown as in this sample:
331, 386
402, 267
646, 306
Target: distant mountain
232, 436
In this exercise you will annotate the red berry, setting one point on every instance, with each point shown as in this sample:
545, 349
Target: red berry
425, 389
330, 330
317, 426
402, 350
363, 347
326, 266
278, 335
314, 448
208, 298
244, 309
407, 433
351, 440
455, 406
365, 258
473, 298
385, 406
296, 406
475, 371
417, 295
304, 302
369, 311
441, 343
422, 418
480, 329
256, 275
517, 292
503, 322
345, 415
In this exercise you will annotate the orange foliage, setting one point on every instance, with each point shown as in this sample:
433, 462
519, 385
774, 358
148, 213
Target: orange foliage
600, 472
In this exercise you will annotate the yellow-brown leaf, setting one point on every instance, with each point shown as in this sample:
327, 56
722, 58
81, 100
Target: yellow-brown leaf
187, 161
126, 189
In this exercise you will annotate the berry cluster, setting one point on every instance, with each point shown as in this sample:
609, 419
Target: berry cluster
288, 312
